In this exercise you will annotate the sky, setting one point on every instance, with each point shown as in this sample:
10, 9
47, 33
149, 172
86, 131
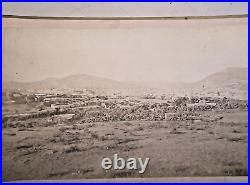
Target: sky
149, 50
125, 9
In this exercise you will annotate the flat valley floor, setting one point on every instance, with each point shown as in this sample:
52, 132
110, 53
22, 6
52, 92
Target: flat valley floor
175, 148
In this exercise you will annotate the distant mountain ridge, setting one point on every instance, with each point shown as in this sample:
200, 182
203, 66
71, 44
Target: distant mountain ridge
71, 83
229, 75
231, 82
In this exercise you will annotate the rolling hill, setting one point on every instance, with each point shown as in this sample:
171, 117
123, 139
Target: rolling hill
231, 82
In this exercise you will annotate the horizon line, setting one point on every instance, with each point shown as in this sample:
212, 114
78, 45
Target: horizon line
122, 81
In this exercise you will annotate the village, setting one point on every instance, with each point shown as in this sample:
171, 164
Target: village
48, 128
85, 107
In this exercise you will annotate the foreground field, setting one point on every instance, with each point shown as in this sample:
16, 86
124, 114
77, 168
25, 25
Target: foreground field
175, 148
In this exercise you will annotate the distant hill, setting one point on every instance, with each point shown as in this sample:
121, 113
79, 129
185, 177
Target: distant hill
231, 82
72, 83
227, 76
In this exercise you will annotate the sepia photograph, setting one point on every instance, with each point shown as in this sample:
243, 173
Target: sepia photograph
119, 92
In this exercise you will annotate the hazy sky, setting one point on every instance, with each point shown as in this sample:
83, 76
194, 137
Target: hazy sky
156, 50
125, 9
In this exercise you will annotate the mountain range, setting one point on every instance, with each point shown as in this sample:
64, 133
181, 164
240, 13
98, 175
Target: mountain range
231, 82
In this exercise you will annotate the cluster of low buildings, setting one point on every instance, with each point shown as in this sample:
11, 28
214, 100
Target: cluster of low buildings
93, 108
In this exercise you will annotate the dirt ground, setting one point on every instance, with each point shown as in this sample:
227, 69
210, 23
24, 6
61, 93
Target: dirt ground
175, 148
